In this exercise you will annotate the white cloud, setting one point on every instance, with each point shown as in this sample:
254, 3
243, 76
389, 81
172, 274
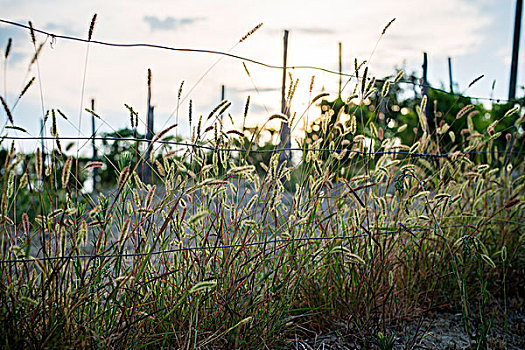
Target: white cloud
169, 23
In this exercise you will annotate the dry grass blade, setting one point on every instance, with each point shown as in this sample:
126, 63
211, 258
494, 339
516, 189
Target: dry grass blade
92, 113
279, 116
512, 203
37, 53
14, 127
61, 114
235, 132
321, 95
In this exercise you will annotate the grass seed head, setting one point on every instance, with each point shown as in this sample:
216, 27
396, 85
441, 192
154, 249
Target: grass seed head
38, 162
386, 89
28, 85
123, 178
25, 223
7, 110
399, 76
160, 168
180, 90
251, 32
66, 171
463, 111
124, 232
32, 32
512, 203
388, 25
95, 164
8, 48
363, 81
163, 133
92, 26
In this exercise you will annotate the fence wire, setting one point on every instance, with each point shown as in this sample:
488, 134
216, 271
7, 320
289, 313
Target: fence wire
244, 59
276, 150
237, 245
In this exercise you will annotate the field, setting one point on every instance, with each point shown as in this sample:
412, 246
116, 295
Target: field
376, 221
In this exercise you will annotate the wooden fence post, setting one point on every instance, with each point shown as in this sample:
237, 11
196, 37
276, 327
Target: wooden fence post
222, 97
285, 141
451, 81
424, 91
149, 134
42, 135
94, 154
340, 69
515, 50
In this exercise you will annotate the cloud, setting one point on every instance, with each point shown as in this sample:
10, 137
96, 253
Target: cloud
19, 38
169, 23
305, 30
15, 33
315, 30
62, 28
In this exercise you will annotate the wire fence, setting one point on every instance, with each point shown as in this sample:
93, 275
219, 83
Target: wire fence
54, 36
276, 150
242, 245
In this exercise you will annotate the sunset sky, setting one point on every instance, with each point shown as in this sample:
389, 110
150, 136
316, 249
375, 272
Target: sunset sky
476, 34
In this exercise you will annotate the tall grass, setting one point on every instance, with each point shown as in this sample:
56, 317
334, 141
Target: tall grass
224, 251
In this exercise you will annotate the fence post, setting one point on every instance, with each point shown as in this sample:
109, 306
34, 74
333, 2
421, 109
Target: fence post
424, 91
42, 135
515, 50
94, 155
222, 97
285, 141
451, 81
340, 69
149, 134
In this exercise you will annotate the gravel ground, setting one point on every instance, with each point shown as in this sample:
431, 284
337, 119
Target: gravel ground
436, 330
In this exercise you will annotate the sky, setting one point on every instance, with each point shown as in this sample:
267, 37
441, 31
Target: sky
476, 34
